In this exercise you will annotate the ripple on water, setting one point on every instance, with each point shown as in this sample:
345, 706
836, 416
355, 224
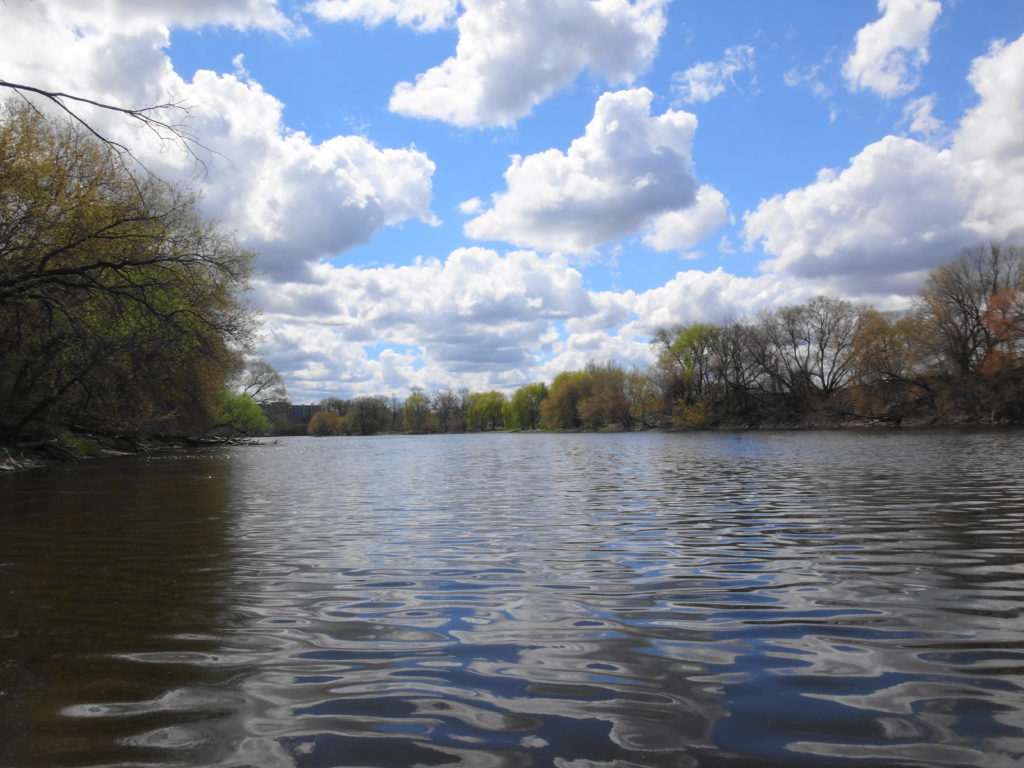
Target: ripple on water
579, 601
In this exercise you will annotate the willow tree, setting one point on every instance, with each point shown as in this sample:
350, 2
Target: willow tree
119, 304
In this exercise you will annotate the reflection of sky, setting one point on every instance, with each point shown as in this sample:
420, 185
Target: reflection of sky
577, 600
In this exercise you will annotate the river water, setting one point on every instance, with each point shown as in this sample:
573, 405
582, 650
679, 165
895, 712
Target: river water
570, 600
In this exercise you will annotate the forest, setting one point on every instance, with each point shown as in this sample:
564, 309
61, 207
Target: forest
957, 356
121, 314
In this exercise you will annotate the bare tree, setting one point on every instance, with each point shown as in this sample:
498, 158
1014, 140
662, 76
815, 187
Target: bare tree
956, 297
262, 382
152, 117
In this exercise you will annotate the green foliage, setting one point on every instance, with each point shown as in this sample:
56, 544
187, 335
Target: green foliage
118, 305
524, 410
79, 446
416, 415
240, 412
695, 415
559, 409
484, 410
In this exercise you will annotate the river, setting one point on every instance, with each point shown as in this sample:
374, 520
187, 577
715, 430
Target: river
502, 600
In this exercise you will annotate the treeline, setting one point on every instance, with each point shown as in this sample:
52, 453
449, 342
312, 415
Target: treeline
956, 356
119, 308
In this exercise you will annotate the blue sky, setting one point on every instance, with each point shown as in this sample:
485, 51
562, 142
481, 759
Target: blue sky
484, 193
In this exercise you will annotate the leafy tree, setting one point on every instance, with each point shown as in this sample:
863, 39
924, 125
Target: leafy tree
886, 364
416, 415
560, 409
325, 423
118, 303
484, 410
606, 403
684, 354
241, 413
646, 405
524, 408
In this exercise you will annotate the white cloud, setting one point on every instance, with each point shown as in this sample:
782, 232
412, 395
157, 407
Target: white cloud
421, 15
891, 213
483, 320
989, 144
695, 296
917, 115
471, 206
707, 79
811, 77
681, 230
291, 199
626, 168
903, 207
891, 51
133, 16
477, 318
514, 54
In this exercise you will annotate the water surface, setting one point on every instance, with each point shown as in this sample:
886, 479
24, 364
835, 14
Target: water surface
579, 601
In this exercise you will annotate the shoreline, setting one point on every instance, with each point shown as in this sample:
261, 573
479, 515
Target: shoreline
23, 457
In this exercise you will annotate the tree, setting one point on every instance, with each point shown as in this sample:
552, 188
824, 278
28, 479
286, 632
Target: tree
260, 381
833, 325
955, 299
368, 415
524, 408
241, 413
118, 303
606, 403
445, 405
325, 423
684, 354
151, 117
416, 415
334, 405
560, 409
484, 410
887, 375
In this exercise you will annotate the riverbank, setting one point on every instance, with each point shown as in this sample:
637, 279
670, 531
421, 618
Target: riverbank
81, 445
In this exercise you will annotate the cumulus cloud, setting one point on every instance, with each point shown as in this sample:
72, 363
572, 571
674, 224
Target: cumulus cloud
681, 230
695, 296
514, 54
421, 15
890, 52
291, 199
708, 79
132, 16
887, 215
471, 206
902, 207
483, 320
989, 144
627, 167
477, 317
